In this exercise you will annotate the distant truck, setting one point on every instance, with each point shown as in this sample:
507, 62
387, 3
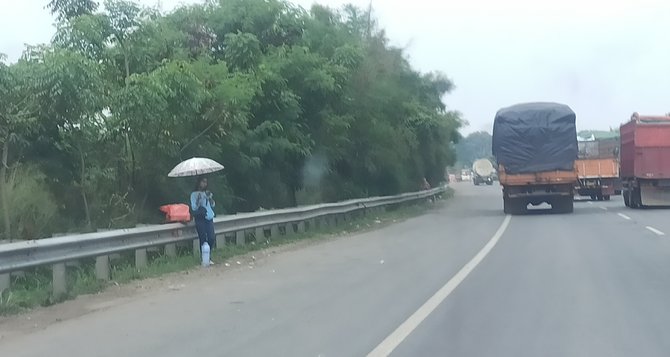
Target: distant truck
598, 169
535, 145
465, 175
645, 161
482, 172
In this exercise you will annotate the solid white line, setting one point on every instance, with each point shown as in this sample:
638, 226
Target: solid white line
603, 208
623, 216
396, 337
655, 230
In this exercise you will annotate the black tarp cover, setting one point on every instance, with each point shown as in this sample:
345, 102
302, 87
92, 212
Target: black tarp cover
535, 137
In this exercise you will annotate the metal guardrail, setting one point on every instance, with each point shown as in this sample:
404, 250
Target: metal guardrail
28, 254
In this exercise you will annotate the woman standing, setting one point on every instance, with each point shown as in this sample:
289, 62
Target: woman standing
202, 203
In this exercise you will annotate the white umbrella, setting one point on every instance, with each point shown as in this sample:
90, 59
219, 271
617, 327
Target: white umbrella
194, 167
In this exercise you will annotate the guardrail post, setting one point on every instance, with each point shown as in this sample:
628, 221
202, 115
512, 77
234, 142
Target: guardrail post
301, 227
240, 237
171, 250
221, 240
196, 248
259, 233
4, 282
59, 282
140, 258
274, 231
102, 267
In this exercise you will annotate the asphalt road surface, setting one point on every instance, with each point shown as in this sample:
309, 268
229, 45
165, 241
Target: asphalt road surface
461, 280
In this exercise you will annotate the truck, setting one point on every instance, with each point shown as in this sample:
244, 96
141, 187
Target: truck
645, 161
465, 175
598, 168
482, 172
535, 146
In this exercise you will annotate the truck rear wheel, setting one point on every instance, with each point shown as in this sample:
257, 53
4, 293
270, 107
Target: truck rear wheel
606, 197
489, 183
514, 206
626, 198
563, 205
635, 198
632, 196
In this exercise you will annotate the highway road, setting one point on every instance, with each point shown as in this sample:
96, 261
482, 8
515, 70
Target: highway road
461, 280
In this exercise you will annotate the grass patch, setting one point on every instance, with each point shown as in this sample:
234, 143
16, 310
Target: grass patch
158, 266
33, 287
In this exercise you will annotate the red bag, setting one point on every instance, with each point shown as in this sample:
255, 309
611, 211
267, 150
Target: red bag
176, 213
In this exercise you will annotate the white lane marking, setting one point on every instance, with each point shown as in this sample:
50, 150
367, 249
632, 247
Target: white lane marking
396, 337
655, 230
603, 208
623, 216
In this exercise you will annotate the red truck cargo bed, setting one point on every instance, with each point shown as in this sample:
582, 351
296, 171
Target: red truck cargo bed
645, 148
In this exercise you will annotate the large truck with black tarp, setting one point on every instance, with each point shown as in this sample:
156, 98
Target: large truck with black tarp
535, 146
645, 161
598, 168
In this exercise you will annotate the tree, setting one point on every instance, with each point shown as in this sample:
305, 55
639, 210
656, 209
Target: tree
16, 122
299, 106
475, 146
68, 89
68, 9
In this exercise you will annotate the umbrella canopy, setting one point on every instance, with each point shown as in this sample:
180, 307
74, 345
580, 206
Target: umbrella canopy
194, 167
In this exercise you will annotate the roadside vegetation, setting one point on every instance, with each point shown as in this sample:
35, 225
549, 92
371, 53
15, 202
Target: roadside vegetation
300, 105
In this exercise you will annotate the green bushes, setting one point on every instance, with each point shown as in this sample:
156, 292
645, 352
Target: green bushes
32, 207
123, 93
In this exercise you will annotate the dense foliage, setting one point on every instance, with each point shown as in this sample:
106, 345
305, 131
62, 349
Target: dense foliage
475, 146
299, 106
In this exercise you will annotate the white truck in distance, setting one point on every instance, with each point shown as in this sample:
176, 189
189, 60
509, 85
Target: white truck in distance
482, 172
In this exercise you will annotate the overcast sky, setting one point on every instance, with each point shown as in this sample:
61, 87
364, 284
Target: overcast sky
605, 59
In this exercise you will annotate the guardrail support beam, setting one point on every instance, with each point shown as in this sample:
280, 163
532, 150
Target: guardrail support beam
4, 282
220, 240
171, 250
274, 231
240, 237
259, 233
140, 258
102, 267
301, 227
59, 282
196, 248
